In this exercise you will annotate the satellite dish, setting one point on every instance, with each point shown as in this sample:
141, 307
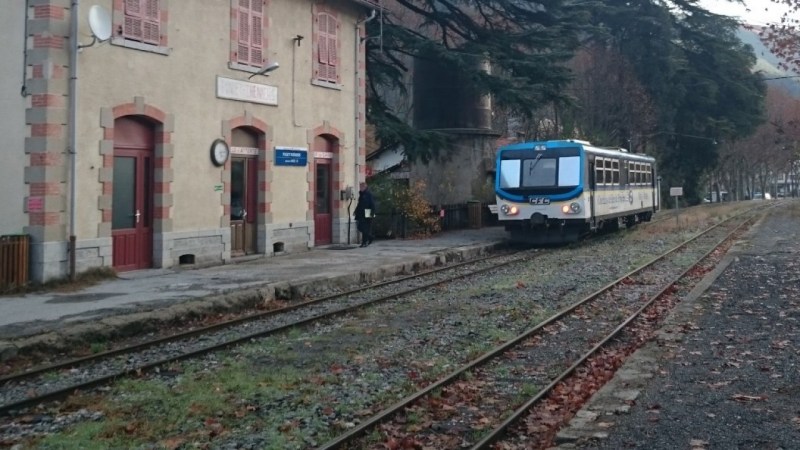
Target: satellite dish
100, 23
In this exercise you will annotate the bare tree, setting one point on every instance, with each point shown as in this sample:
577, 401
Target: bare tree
757, 162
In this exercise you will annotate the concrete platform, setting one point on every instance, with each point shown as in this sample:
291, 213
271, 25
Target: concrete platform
141, 300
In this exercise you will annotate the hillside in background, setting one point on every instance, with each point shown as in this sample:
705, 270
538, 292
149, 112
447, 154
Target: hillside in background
768, 62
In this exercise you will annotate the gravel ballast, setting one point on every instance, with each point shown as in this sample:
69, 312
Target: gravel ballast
725, 372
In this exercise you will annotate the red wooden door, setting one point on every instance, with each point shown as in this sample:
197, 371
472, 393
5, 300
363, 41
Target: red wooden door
132, 205
131, 221
323, 202
244, 205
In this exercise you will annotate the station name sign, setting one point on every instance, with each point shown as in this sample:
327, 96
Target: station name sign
291, 156
245, 91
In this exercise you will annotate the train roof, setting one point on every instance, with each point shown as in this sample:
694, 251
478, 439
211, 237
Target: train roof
616, 152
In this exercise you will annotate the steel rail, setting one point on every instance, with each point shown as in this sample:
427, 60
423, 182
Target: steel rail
225, 324
7, 409
499, 432
374, 420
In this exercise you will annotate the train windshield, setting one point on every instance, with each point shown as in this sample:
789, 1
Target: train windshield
540, 172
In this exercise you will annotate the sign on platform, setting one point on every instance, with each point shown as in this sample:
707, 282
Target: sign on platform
675, 191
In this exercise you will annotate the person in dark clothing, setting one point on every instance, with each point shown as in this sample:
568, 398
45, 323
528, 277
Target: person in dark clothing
365, 211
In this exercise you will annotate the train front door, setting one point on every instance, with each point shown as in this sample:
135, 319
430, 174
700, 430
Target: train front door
323, 202
132, 195
244, 200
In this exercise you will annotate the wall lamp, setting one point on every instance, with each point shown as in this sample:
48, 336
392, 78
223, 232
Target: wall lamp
267, 69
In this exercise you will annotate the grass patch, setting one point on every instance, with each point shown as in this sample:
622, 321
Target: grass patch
200, 407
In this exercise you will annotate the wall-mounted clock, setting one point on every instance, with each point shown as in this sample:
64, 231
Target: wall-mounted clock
219, 152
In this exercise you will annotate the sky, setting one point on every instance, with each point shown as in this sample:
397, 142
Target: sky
757, 12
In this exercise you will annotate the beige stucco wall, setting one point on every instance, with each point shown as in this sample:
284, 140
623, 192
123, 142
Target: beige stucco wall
183, 85
13, 189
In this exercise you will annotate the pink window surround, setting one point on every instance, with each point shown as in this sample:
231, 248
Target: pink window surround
248, 34
142, 21
327, 49
162, 185
335, 137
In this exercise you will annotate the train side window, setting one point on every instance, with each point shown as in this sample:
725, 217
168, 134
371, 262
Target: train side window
598, 172
624, 175
608, 171
615, 171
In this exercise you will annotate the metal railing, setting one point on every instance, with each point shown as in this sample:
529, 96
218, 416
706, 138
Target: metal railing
457, 216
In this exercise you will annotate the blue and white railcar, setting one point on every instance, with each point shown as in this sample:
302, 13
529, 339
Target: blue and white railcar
557, 191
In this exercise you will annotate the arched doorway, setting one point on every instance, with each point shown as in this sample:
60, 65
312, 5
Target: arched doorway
244, 192
132, 194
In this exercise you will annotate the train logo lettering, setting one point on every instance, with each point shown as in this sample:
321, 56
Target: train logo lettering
630, 197
539, 201
617, 198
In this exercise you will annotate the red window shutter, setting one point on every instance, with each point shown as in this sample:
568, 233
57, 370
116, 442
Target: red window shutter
322, 22
328, 50
323, 49
251, 33
151, 32
257, 35
132, 27
243, 54
333, 49
142, 21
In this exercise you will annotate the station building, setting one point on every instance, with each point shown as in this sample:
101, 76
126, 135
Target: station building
197, 133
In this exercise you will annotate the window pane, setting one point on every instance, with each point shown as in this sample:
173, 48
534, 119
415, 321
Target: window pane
322, 196
509, 173
124, 196
237, 188
569, 171
541, 172
598, 171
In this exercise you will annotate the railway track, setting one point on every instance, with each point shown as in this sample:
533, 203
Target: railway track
416, 341
58, 380
516, 395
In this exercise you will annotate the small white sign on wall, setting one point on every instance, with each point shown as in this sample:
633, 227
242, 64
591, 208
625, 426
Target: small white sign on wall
245, 91
246, 151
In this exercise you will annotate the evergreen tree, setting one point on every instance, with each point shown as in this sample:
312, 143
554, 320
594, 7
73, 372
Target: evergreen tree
699, 76
524, 43
691, 73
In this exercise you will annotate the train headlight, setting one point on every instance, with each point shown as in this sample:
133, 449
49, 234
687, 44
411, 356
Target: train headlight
509, 210
572, 208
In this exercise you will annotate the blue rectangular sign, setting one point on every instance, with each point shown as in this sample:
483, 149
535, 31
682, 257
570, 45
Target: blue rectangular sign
289, 156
